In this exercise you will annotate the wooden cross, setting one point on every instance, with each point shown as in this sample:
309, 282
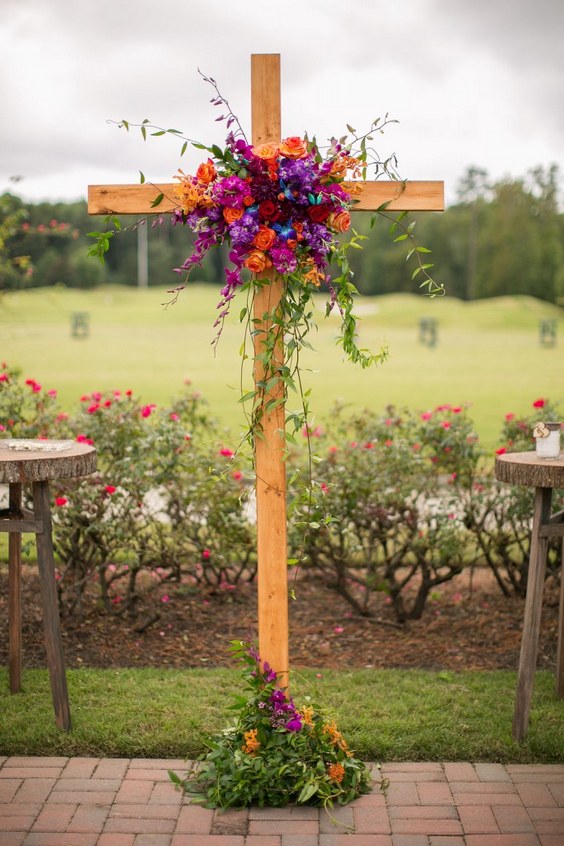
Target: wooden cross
269, 449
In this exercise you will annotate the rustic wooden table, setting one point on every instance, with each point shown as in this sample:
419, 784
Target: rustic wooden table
524, 468
37, 467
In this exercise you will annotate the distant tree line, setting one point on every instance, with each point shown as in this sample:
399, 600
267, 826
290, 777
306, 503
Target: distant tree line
499, 238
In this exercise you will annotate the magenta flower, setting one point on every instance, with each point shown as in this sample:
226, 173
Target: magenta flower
540, 403
110, 489
60, 501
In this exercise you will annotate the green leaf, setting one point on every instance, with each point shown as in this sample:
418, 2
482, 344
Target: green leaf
141, 177
157, 201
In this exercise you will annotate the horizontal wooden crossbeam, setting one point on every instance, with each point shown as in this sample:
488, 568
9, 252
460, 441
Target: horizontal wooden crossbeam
138, 199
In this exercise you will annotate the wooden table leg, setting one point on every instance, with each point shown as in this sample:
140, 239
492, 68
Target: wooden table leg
533, 609
14, 594
51, 622
560, 652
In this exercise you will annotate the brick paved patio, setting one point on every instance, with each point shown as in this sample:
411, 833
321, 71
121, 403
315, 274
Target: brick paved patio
122, 802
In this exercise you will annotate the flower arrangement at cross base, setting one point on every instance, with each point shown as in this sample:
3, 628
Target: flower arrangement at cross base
275, 753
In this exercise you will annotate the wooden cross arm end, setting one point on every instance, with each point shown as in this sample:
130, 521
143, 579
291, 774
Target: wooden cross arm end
138, 199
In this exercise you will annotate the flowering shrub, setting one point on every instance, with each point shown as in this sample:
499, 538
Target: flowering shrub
382, 518
27, 410
517, 432
275, 753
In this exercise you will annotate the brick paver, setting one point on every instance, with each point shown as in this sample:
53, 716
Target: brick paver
120, 802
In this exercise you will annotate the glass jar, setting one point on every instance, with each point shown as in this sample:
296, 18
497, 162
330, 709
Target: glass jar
549, 446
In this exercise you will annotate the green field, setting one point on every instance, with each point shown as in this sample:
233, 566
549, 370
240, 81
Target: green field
488, 352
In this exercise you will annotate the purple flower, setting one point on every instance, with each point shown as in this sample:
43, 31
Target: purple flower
283, 259
295, 724
270, 675
230, 191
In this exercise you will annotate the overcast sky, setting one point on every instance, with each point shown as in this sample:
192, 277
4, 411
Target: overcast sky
471, 82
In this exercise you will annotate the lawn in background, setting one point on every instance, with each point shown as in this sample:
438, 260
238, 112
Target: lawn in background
488, 352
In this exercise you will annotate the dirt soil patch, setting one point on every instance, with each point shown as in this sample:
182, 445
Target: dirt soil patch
468, 624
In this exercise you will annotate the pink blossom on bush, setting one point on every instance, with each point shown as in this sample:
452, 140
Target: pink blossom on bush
3, 377
92, 409
446, 424
426, 415
540, 403
225, 451
206, 554
83, 439
61, 500
501, 451
237, 475
110, 489
147, 410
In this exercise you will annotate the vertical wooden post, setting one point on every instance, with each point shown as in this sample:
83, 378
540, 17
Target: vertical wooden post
270, 443
533, 610
14, 593
51, 623
560, 652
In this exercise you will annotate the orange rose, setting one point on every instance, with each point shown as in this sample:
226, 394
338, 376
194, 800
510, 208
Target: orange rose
265, 238
293, 147
257, 261
206, 172
266, 151
339, 221
231, 215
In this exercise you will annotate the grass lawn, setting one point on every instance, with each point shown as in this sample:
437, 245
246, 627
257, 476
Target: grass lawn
387, 715
488, 352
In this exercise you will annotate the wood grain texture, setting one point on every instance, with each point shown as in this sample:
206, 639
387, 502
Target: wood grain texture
272, 552
560, 649
524, 468
28, 466
138, 199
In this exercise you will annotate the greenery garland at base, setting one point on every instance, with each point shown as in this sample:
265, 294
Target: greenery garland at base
275, 754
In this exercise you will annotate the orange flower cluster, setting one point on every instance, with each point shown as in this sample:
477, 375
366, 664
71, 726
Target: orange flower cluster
307, 715
336, 738
251, 744
336, 772
192, 194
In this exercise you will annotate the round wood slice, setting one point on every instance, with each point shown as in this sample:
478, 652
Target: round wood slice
525, 468
33, 466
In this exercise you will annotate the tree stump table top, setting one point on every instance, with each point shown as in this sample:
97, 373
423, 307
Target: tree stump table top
41, 461
526, 468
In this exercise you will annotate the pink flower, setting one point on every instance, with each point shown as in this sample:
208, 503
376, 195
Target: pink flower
128, 393
324, 488
110, 489
83, 439
96, 396
540, 403
61, 500
446, 424
457, 409
3, 377
426, 415
52, 393
389, 422
501, 451
147, 410
443, 407
85, 398
338, 630
237, 475
388, 443
35, 386
92, 409
62, 416
187, 437
108, 403
228, 453
2, 428
333, 449
509, 417
174, 416
165, 598
368, 445
206, 554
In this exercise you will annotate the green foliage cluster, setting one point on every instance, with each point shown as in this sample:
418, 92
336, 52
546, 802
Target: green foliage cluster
274, 754
391, 503
498, 238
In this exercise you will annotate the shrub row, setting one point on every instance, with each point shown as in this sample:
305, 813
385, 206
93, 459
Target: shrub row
396, 502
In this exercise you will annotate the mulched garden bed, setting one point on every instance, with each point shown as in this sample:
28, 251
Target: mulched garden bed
468, 625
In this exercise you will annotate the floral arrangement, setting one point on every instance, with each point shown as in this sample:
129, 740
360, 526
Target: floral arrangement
279, 206
275, 753
282, 209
